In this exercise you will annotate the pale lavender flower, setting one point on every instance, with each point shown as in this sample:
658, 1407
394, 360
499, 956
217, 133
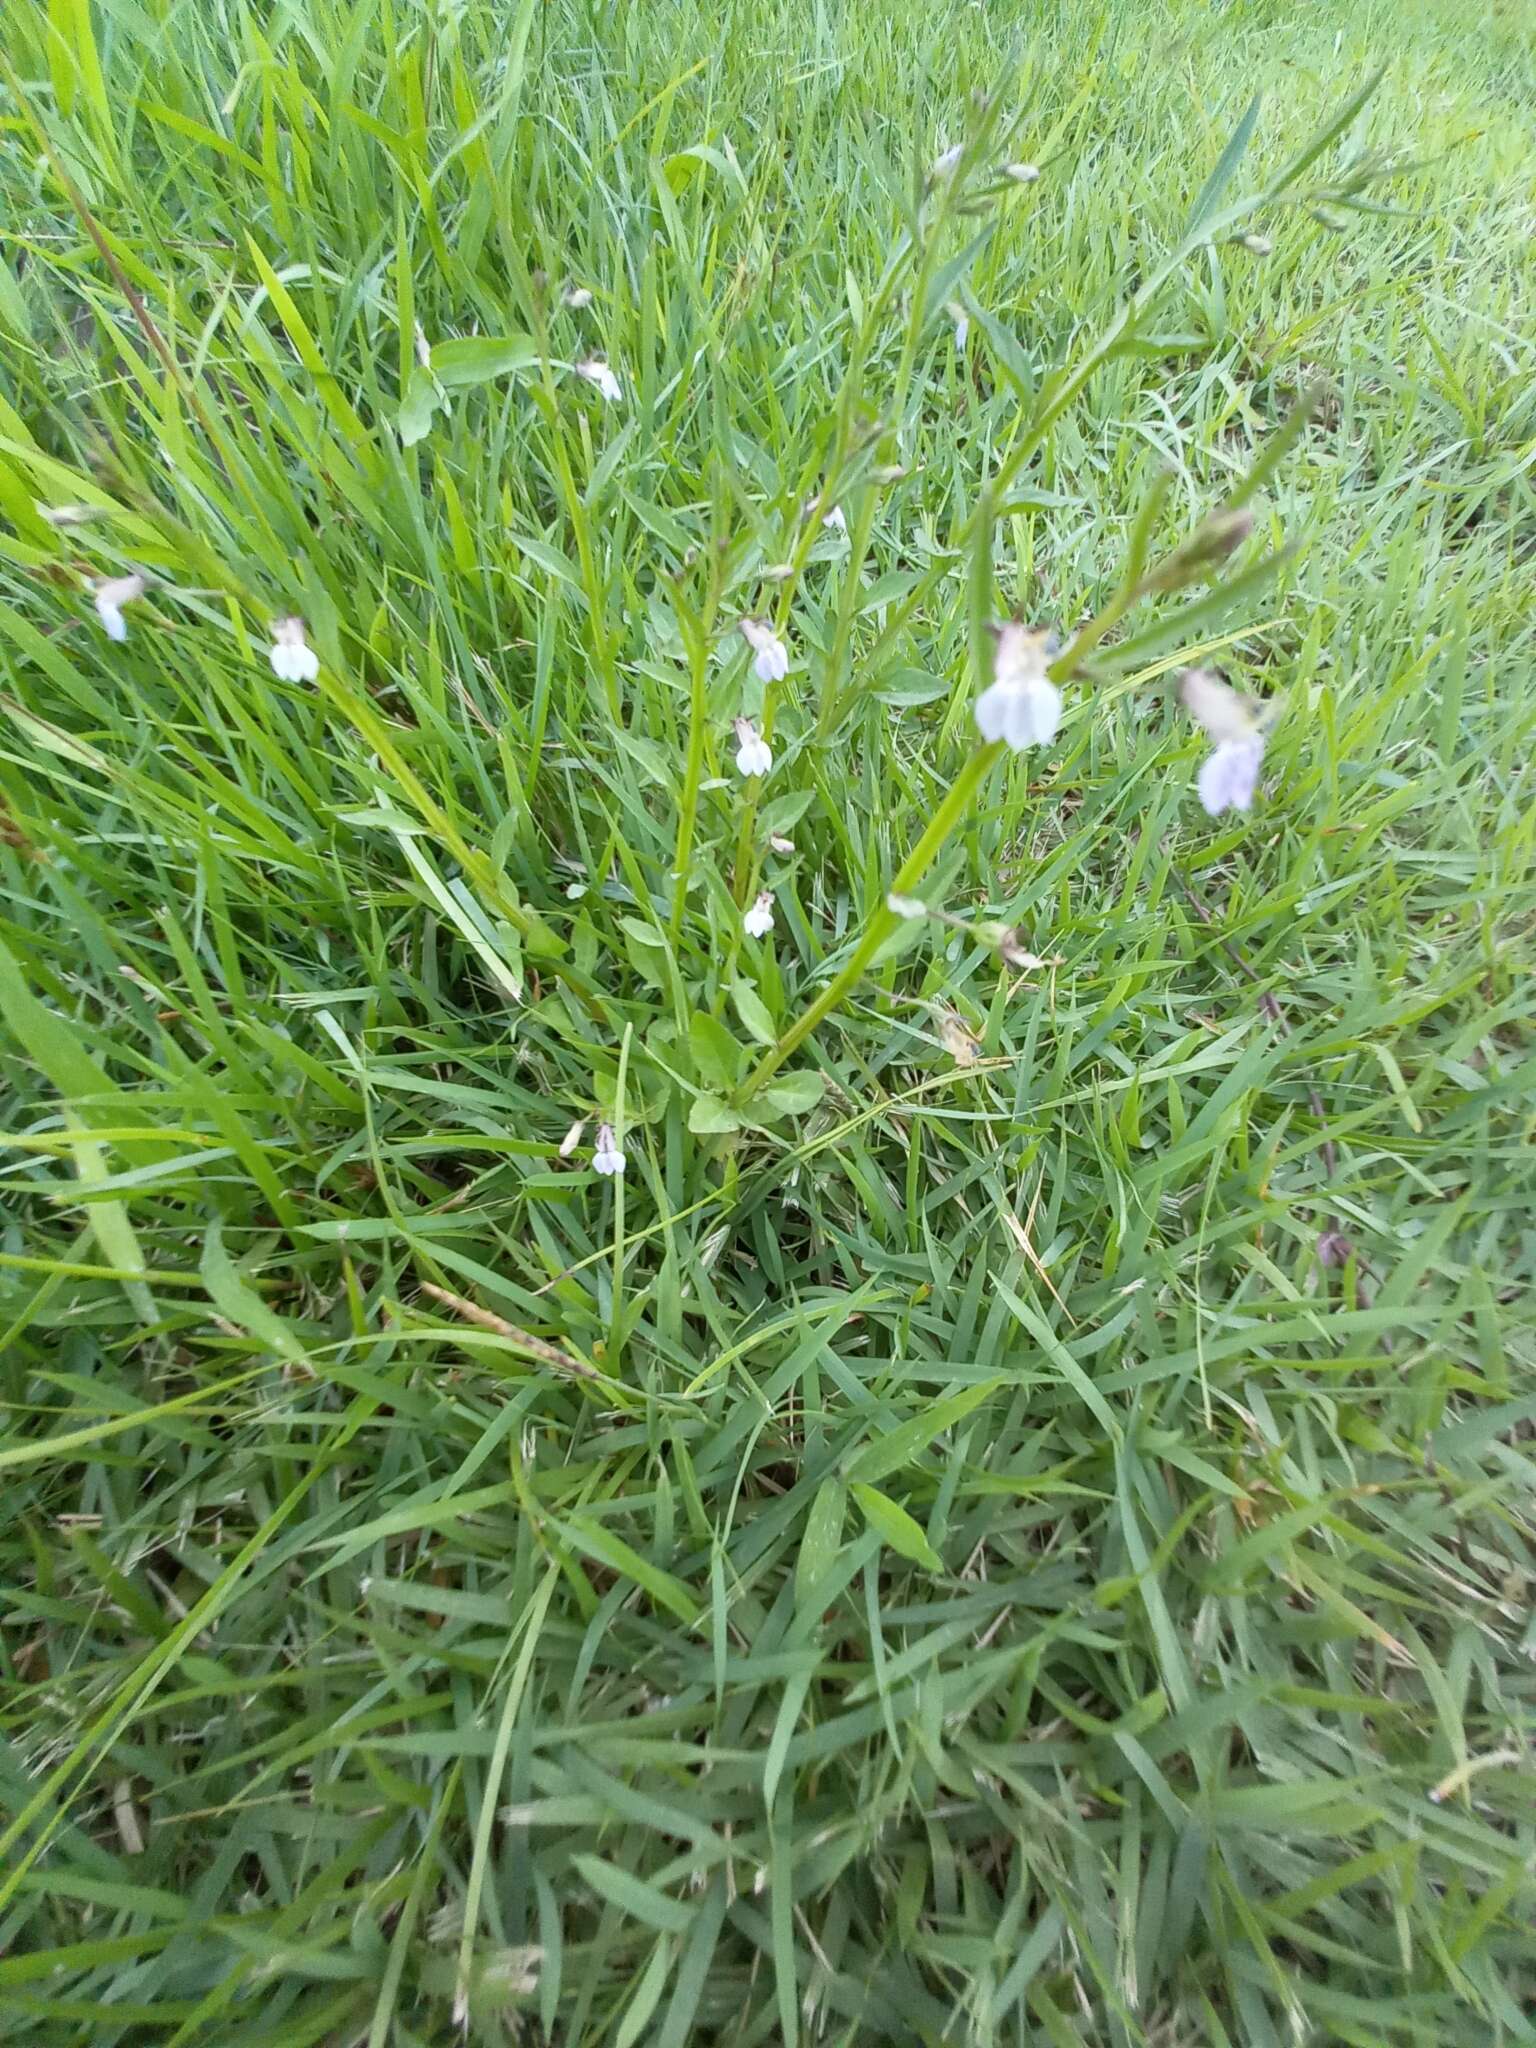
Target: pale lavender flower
946, 163
607, 1158
771, 661
754, 756
110, 597
962, 321
1229, 774
291, 656
1023, 705
758, 921
597, 372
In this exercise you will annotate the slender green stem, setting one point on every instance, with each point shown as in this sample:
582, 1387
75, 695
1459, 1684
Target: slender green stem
884, 921
746, 867
693, 773
612, 1359
576, 512
853, 586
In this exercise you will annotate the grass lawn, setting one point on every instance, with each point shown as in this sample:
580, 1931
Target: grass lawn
890, 1400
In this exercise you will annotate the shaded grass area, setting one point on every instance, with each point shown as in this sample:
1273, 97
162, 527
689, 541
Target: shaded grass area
1024, 1537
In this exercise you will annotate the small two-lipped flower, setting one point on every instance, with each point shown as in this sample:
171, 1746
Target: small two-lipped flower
754, 756
833, 520
607, 1158
1022, 706
293, 659
109, 599
770, 660
599, 373
757, 922
1229, 774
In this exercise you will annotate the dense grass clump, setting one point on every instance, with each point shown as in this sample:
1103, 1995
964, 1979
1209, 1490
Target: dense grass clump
886, 1400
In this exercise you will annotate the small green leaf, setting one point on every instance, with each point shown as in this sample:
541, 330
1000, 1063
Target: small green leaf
899, 1446
417, 407
651, 758
753, 1012
717, 1058
896, 1528
479, 360
709, 1115
908, 686
785, 812
1110, 1592
644, 1902
1226, 169
239, 1303
942, 285
790, 1095
819, 1542
1007, 354
611, 1550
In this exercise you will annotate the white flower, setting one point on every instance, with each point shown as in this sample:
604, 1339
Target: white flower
772, 656
572, 1138
576, 296
906, 906
423, 347
837, 519
962, 321
1023, 705
1257, 245
291, 656
758, 921
1229, 774
1024, 174
946, 163
110, 598
780, 844
754, 756
607, 1158
597, 372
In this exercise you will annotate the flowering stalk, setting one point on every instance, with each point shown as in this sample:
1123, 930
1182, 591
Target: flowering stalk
1209, 224
576, 512
884, 921
926, 245
852, 587
696, 638
615, 1170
